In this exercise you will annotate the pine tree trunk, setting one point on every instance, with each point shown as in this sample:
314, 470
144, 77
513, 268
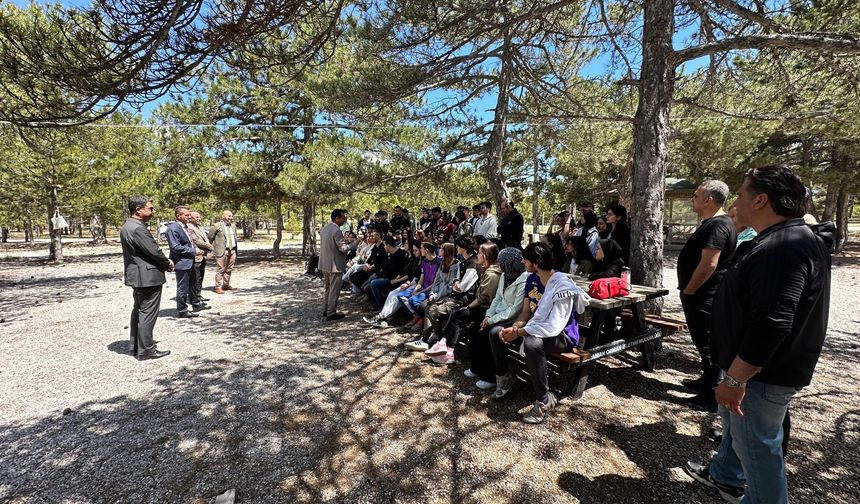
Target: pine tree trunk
4, 235
842, 215
495, 155
309, 229
279, 226
830, 201
650, 137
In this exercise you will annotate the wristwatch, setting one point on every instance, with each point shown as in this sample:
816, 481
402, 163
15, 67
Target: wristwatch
732, 383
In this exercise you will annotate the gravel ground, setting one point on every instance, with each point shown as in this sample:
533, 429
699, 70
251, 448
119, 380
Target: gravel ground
261, 396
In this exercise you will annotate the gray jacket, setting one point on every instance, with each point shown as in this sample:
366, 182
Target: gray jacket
144, 263
443, 284
332, 249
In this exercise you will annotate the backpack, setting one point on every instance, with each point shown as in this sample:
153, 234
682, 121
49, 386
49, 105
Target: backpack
313, 265
605, 288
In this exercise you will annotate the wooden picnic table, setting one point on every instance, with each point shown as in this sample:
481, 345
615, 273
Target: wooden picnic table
600, 338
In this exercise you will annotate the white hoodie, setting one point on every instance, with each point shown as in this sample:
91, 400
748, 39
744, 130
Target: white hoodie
560, 297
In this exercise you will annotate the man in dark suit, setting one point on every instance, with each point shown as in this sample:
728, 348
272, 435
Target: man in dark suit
144, 267
182, 253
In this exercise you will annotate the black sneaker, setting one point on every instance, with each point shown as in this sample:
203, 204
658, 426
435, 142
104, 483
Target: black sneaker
700, 473
715, 435
701, 402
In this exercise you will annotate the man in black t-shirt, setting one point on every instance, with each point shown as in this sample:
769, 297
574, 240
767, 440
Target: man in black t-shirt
768, 330
701, 265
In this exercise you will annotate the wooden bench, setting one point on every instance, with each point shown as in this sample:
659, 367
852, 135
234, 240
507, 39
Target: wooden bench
669, 325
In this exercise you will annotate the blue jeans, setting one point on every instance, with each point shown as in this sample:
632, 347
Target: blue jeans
751, 450
413, 302
376, 286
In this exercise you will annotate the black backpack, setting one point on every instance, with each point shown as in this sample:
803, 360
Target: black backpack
313, 265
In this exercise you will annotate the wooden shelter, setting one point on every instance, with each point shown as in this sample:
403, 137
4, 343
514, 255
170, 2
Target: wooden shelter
679, 223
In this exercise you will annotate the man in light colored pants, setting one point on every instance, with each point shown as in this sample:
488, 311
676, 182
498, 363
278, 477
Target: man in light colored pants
333, 281
333, 261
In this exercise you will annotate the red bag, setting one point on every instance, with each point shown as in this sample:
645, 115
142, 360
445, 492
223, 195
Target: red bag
605, 288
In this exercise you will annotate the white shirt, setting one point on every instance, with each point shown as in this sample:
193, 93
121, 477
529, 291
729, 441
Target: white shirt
486, 227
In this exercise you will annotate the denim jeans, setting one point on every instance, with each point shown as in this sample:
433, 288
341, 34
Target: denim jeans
377, 286
751, 450
413, 303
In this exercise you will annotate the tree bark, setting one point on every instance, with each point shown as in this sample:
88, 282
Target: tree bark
830, 201
4, 235
842, 215
650, 138
309, 229
495, 156
279, 226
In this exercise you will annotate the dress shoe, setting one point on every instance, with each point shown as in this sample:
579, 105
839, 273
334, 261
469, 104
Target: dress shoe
155, 354
229, 287
187, 315
219, 290
201, 306
701, 402
336, 316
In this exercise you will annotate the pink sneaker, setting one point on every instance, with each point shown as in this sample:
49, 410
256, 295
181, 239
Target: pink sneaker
446, 358
439, 348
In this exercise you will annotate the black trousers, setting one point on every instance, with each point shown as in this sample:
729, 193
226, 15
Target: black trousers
461, 317
697, 311
535, 349
481, 355
186, 280
359, 278
199, 270
147, 301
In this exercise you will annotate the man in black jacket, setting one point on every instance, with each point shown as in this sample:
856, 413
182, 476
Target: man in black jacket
396, 259
767, 330
510, 228
143, 271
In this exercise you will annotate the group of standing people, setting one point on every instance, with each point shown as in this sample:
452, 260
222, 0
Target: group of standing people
755, 289
145, 266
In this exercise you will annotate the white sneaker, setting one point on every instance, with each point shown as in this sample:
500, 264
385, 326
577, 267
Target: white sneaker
469, 374
418, 345
380, 324
370, 320
485, 385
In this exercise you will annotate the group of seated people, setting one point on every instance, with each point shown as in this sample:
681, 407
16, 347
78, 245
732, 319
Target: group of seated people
503, 295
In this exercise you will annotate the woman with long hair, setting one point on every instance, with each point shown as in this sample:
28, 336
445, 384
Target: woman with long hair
443, 286
604, 228
442, 352
617, 216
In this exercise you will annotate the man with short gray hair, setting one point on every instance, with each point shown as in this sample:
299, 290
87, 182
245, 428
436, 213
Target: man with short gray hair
702, 263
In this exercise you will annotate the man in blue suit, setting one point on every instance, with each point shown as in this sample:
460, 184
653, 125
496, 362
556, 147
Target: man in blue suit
182, 253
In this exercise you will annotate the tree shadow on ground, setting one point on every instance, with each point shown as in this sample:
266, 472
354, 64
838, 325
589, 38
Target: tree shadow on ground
643, 445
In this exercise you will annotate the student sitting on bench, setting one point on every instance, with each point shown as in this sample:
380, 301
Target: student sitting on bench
549, 327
